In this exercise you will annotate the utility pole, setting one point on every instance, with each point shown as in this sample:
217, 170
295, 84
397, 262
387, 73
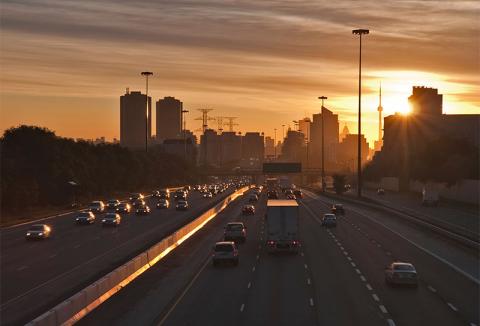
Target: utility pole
360, 32
184, 133
323, 145
146, 74
230, 123
275, 143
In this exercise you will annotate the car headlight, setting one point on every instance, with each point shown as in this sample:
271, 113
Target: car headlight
77, 219
41, 233
28, 233
104, 220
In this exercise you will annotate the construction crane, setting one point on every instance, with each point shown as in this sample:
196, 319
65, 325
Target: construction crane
230, 123
204, 118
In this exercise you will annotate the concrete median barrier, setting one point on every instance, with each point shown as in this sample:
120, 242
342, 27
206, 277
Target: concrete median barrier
74, 308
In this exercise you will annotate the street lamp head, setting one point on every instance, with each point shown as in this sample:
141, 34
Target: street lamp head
147, 73
322, 97
360, 31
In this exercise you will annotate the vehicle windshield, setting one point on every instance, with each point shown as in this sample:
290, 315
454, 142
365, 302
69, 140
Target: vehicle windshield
110, 215
234, 227
404, 267
224, 247
36, 228
84, 214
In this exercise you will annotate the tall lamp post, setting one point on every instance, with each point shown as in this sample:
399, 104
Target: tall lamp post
146, 74
184, 127
323, 98
275, 143
360, 32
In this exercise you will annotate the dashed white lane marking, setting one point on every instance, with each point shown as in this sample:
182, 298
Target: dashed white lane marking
302, 254
249, 285
390, 322
258, 257
383, 309
363, 278
259, 247
358, 271
76, 246
375, 297
341, 248
349, 258
379, 245
369, 287
242, 307
308, 281
253, 269
388, 253
353, 264
52, 256
345, 253
311, 302
431, 288
452, 306
305, 265
21, 268
473, 324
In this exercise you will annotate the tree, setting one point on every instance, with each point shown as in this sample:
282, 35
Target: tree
339, 182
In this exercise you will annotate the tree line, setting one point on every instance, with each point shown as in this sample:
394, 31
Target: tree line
38, 168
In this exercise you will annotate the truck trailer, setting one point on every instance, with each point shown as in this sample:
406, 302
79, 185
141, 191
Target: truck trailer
282, 226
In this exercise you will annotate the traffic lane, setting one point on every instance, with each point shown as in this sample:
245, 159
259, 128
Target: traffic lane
146, 300
279, 293
340, 295
466, 260
373, 247
68, 273
217, 295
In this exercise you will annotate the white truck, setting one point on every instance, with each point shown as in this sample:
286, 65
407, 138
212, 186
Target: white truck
282, 226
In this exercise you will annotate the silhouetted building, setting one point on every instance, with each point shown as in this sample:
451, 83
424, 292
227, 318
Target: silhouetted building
344, 133
253, 146
210, 148
425, 100
269, 147
304, 127
185, 149
293, 147
230, 148
330, 141
169, 118
347, 155
133, 122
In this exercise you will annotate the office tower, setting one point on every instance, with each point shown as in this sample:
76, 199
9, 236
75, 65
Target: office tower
133, 120
269, 147
169, 118
425, 100
331, 135
253, 146
304, 127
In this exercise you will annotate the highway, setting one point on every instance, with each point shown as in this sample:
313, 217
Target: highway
36, 275
337, 279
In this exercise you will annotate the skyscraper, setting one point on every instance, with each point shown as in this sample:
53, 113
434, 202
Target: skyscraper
425, 100
269, 147
132, 120
304, 127
169, 118
331, 139
253, 146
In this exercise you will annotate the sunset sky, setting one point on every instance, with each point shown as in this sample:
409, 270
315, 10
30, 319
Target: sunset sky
64, 64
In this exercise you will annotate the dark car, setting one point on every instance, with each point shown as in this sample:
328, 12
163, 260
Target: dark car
253, 198
96, 206
272, 194
156, 193
380, 191
291, 197
235, 231
329, 220
124, 208
182, 205
401, 273
338, 209
136, 196
180, 195
142, 210
138, 203
298, 193
163, 203
112, 204
111, 219
248, 210
85, 218
38, 231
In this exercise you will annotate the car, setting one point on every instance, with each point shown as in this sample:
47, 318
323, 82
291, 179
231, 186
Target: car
156, 193
248, 210
288, 192
38, 231
338, 209
235, 231
123, 208
225, 252
135, 196
272, 194
291, 197
207, 195
138, 203
85, 218
187, 188
380, 191
163, 203
182, 205
298, 193
142, 210
112, 204
253, 198
97, 206
111, 219
164, 194
401, 273
180, 195
329, 220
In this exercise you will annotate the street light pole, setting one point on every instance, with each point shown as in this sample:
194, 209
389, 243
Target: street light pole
146, 74
275, 143
360, 32
184, 125
323, 146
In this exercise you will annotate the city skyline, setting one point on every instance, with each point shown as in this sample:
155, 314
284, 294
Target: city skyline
59, 70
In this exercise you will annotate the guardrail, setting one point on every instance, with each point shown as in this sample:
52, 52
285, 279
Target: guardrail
468, 240
79, 305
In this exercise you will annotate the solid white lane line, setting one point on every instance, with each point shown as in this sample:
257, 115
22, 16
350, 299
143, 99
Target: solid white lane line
452, 306
242, 307
369, 287
390, 322
363, 278
249, 285
311, 302
375, 297
383, 309
21, 268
